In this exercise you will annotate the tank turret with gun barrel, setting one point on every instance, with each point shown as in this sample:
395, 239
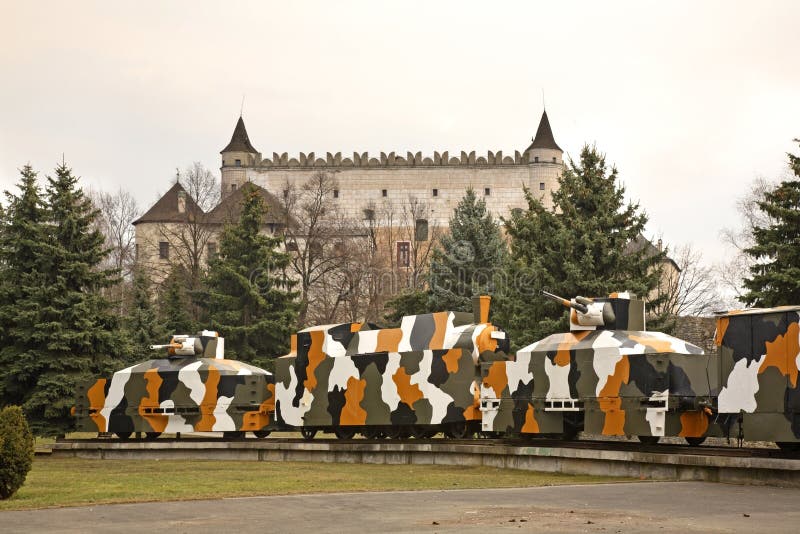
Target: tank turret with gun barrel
194, 388
607, 376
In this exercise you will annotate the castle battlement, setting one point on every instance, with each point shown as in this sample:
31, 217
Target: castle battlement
443, 159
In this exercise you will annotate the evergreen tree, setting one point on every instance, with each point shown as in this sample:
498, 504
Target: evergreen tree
407, 302
77, 324
173, 305
467, 259
583, 246
141, 324
245, 295
24, 261
775, 275
64, 330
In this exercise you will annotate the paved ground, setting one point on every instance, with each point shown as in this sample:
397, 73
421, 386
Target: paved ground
632, 507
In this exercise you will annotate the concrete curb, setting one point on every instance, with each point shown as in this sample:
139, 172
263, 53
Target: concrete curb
635, 464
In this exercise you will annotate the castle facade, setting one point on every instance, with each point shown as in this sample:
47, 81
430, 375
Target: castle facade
368, 182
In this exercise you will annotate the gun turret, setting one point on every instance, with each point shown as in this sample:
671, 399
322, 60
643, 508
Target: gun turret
589, 314
205, 343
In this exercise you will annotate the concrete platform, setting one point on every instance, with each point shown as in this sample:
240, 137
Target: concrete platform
680, 507
644, 465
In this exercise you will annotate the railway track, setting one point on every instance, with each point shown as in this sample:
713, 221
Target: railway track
595, 445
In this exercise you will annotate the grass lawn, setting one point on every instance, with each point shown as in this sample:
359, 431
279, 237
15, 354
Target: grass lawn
74, 482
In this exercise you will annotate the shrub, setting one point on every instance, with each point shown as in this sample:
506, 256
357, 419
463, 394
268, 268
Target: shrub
16, 450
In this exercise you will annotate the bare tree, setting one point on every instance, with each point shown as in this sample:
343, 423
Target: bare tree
117, 212
312, 229
691, 289
189, 237
737, 268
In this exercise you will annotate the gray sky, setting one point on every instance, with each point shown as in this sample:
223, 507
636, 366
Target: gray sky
690, 100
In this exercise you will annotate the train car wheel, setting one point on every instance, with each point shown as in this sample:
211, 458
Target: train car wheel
458, 430
123, 435
788, 446
345, 432
150, 436
695, 442
392, 432
418, 432
308, 433
371, 432
262, 433
649, 440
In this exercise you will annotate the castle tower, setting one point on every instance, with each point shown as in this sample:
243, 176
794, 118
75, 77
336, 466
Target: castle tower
236, 158
544, 149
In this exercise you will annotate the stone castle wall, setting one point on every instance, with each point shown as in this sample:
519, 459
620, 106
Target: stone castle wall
439, 181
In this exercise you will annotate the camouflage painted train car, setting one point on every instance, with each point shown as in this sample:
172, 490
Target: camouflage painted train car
606, 376
420, 378
759, 356
193, 389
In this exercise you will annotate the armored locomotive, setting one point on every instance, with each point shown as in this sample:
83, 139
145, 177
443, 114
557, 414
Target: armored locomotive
193, 389
419, 379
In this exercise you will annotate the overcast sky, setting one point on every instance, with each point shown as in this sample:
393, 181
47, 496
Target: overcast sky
690, 100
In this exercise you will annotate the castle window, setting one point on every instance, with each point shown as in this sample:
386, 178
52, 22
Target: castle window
291, 246
369, 214
487, 191
421, 230
212, 250
285, 193
233, 187
163, 250
541, 186
238, 163
384, 192
435, 192
536, 159
335, 193
554, 160
271, 227
403, 253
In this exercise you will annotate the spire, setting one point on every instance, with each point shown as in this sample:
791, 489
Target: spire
240, 142
544, 136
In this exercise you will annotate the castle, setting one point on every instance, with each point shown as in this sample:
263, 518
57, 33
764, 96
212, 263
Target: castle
366, 182
175, 228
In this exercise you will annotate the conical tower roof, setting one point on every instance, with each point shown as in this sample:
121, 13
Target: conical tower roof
544, 136
240, 142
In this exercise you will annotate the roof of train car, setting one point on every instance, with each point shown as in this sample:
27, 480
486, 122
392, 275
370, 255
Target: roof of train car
760, 311
625, 341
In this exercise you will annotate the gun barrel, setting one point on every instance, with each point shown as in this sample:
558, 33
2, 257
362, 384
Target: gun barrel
578, 306
167, 346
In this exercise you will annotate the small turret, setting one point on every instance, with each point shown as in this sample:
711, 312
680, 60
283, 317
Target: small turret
206, 344
543, 148
618, 311
236, 156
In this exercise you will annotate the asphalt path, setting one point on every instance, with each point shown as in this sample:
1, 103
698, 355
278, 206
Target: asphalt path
683, 507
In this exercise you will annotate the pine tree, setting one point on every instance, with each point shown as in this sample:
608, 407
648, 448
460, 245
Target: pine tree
173, 304
245, 295
23, 261
775, 276
467, 259
141, 324
407, 302
583, 246
78, 331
